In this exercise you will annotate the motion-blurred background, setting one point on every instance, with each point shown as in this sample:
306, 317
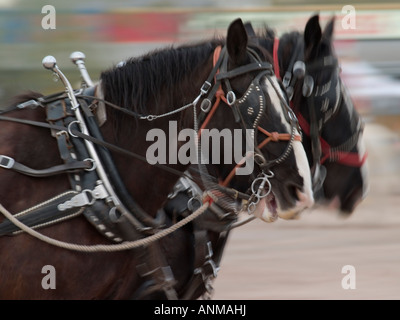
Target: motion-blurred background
110, 31
288, 259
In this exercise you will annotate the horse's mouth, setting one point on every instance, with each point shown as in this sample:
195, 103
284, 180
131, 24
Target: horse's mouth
272, 204
267, 208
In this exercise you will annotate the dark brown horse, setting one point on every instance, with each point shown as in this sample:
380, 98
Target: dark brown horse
332, 128
32, 171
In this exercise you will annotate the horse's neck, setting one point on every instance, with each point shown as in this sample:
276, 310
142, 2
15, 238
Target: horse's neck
147, 184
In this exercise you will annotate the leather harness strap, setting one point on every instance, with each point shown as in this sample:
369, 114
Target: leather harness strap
276, 58
9, 163
343, 157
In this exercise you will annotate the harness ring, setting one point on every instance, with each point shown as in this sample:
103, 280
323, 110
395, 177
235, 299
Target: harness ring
69, 128
94, 165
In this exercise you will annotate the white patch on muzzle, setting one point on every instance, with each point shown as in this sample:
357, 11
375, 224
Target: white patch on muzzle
305, 195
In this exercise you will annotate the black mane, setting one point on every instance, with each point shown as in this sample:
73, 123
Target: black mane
266, 38
153, 76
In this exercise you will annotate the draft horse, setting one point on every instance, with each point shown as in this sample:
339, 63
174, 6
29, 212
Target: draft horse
89, 194
332, 128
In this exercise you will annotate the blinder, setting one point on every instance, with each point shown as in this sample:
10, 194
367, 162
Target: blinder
251, 106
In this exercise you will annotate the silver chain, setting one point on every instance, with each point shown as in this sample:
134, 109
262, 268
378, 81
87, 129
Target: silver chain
152, 117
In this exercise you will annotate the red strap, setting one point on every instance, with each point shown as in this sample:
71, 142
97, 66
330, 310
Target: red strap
350, 159
303, 124
276, 59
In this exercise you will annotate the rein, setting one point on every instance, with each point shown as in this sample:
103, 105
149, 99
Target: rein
126, 245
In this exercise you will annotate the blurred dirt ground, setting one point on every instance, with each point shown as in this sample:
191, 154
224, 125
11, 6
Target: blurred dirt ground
303, 259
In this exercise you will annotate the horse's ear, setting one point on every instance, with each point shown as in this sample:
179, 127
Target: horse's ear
236, 42
312, 32
251, 34
249, 29
328, 31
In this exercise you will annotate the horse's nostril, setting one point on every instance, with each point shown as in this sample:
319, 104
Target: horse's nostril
292, 190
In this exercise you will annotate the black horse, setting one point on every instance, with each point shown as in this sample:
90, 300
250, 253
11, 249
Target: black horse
111, 184
333, 129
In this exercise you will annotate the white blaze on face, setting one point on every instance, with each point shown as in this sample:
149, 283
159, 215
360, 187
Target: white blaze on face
305, 196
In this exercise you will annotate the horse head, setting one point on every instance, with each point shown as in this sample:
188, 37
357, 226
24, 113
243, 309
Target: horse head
333, 130
279, 175
240, 93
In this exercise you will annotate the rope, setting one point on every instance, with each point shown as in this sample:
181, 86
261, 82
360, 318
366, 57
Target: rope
105, 247
275, 136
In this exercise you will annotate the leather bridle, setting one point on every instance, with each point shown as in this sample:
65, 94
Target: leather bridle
248, 111
317, 102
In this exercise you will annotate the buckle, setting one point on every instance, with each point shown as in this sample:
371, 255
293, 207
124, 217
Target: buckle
6, 162
205, 271
206, 105
205, 87
231, 98
286, 79
28, 104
